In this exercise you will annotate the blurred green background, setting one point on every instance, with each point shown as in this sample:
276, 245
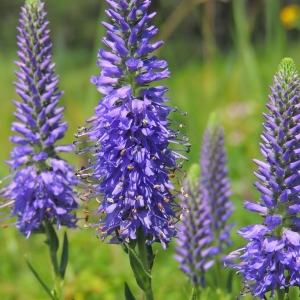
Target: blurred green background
222, 57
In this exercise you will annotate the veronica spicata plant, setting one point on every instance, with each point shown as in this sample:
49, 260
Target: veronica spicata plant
204, 232
130, 135
40, 190
215, 184
270, 261
194, 239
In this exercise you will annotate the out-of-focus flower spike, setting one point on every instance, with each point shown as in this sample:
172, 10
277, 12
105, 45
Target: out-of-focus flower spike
195, 238
214, 181
204, 232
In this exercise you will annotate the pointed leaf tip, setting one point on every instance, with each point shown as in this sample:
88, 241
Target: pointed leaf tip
194, 294
41, 281
127, 292
64, 257
52, 238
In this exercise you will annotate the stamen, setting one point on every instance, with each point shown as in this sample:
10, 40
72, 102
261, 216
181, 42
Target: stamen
7, 203
180, 156
176, 122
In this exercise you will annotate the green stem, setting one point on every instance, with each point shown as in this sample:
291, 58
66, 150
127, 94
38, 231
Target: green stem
218, 269
281, 294
52, 242
143, 257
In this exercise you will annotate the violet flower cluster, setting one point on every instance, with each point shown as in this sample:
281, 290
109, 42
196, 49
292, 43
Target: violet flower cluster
271, 259
194, 239
130, 133
215, 184
41, 182
204, 232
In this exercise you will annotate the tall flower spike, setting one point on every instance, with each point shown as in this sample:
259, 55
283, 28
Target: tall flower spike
215, 184
204, 232
130, 131
41, 182
271, 259
195, 236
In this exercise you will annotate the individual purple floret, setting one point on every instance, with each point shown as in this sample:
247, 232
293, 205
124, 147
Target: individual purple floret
204, 232
130, 132
215, 184
41, 182
271, 260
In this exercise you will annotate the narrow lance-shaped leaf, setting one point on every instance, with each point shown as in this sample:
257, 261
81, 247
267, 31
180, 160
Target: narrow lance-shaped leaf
64, 257
143, 278
127, 292
150, 256
45, 286
53, 241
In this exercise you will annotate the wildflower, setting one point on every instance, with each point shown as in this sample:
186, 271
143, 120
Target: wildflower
215, 184
194, 238
41, 182
130, 131
289, 15
271, 259
204, 233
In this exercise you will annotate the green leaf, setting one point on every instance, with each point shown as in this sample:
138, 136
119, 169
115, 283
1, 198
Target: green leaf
150, 256
64, 257
125, 248
143, 278
53, 239
194, 294
45, 286
128, 293
229, 282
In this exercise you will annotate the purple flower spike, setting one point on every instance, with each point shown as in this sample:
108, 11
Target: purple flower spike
41, 182
204, 232
215, 184
195, 238
130, 132
271, 259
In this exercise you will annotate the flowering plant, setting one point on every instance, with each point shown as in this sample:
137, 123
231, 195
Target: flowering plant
270, 261
41, 187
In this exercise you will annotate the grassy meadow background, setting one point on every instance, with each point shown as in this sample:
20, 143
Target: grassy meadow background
222, 57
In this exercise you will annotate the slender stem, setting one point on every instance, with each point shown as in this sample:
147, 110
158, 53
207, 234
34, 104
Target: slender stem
51, 240
281, 294
143, 257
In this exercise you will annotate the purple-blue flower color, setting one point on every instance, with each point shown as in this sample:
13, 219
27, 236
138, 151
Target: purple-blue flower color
204, 232
270, 262
130, 133
215, 184
194, 251
41, 186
